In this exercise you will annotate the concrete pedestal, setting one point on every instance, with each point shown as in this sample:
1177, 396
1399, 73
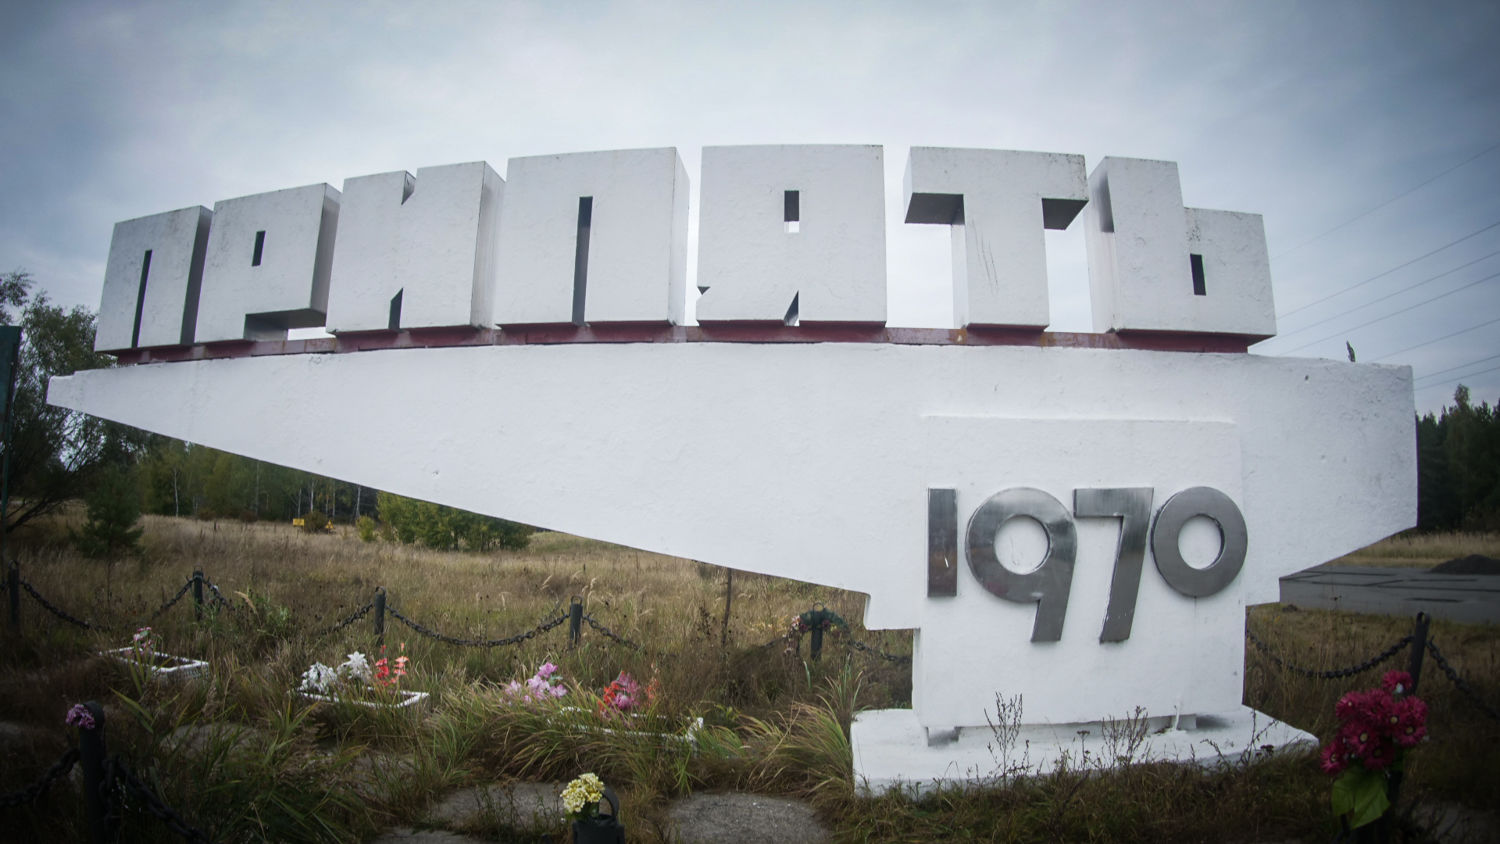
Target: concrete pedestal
893, 751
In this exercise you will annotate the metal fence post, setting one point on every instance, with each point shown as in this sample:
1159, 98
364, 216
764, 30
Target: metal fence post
198, 594
13, 589
575, 621
379, 616
1418, 650
91, 753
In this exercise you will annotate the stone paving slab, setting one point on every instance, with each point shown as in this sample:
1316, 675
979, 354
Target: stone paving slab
1470, 599
745, 819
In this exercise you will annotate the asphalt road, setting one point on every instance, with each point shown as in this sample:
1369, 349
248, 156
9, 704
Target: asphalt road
1468, 598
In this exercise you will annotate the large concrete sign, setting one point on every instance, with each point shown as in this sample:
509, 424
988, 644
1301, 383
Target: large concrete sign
1076, 521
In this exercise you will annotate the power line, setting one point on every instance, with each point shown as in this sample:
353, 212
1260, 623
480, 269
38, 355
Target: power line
1389, 271
1393, 313
1458, 380
1387, 296
1451, 368
1437, 339
1405, 193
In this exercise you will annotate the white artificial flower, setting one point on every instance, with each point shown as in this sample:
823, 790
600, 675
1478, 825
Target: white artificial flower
319, 678
357, 666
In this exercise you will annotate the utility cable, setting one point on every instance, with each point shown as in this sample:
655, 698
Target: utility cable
1437, 339
1451, 368
1393, 313
1389, 271
1459, 380
1286, 334
1402, 195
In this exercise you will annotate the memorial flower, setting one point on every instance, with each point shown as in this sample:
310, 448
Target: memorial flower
354, 675
581, 797
546, 684
621, 695
1377, 727
79, 716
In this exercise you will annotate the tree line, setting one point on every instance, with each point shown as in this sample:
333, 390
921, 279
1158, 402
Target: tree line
56, 456
1458, 466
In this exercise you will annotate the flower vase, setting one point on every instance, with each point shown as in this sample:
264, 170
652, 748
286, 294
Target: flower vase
601, 829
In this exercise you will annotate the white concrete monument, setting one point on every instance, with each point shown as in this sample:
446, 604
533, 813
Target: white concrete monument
435, 234
152, 281
267, 264
792, 233
1074, 521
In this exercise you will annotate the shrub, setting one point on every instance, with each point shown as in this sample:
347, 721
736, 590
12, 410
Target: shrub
314, 521
366, 528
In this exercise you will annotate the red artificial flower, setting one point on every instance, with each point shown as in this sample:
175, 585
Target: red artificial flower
1410, 721
1396, 682
1332, 760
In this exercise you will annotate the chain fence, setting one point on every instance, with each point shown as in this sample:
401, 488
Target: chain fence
62, 614
475, 643
34, 792
216, 598
112, 778
1459, 682
117, 770
355, 616
1331, 674
173, 600
899, 659
610, 634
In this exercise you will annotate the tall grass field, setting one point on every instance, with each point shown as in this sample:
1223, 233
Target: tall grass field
244, 759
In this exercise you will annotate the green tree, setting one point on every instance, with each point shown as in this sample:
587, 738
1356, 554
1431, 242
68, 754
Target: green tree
113, 512
446, 528
54, 453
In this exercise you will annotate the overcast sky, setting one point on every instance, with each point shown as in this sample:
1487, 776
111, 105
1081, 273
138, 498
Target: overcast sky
1367, 134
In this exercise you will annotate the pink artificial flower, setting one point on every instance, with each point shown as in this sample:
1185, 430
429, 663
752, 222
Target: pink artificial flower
79, 716
1396, 682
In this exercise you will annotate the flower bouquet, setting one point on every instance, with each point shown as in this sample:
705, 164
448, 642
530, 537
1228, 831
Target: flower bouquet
359, 682
581, 798
1377, 727
142, 655
544, 685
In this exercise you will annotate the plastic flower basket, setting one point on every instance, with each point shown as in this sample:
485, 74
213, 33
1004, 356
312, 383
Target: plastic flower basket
395, 699
158, 665
637, 725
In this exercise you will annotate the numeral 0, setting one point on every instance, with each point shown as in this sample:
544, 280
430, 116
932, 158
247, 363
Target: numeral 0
1050, 583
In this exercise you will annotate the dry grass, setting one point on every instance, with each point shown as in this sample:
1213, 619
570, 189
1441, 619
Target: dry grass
1423, 550
772, 722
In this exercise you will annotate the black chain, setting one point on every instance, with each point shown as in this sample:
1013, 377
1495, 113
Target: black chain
610, 634
1460, 682
476, 643
358, 614
48, 606
1333, 674
861, 646
175, 598
115, 768
34, 792
218, 598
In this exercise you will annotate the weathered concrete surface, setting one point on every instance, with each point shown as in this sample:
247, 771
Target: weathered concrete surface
1471, 599
404, 835
745, 819
520, 805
